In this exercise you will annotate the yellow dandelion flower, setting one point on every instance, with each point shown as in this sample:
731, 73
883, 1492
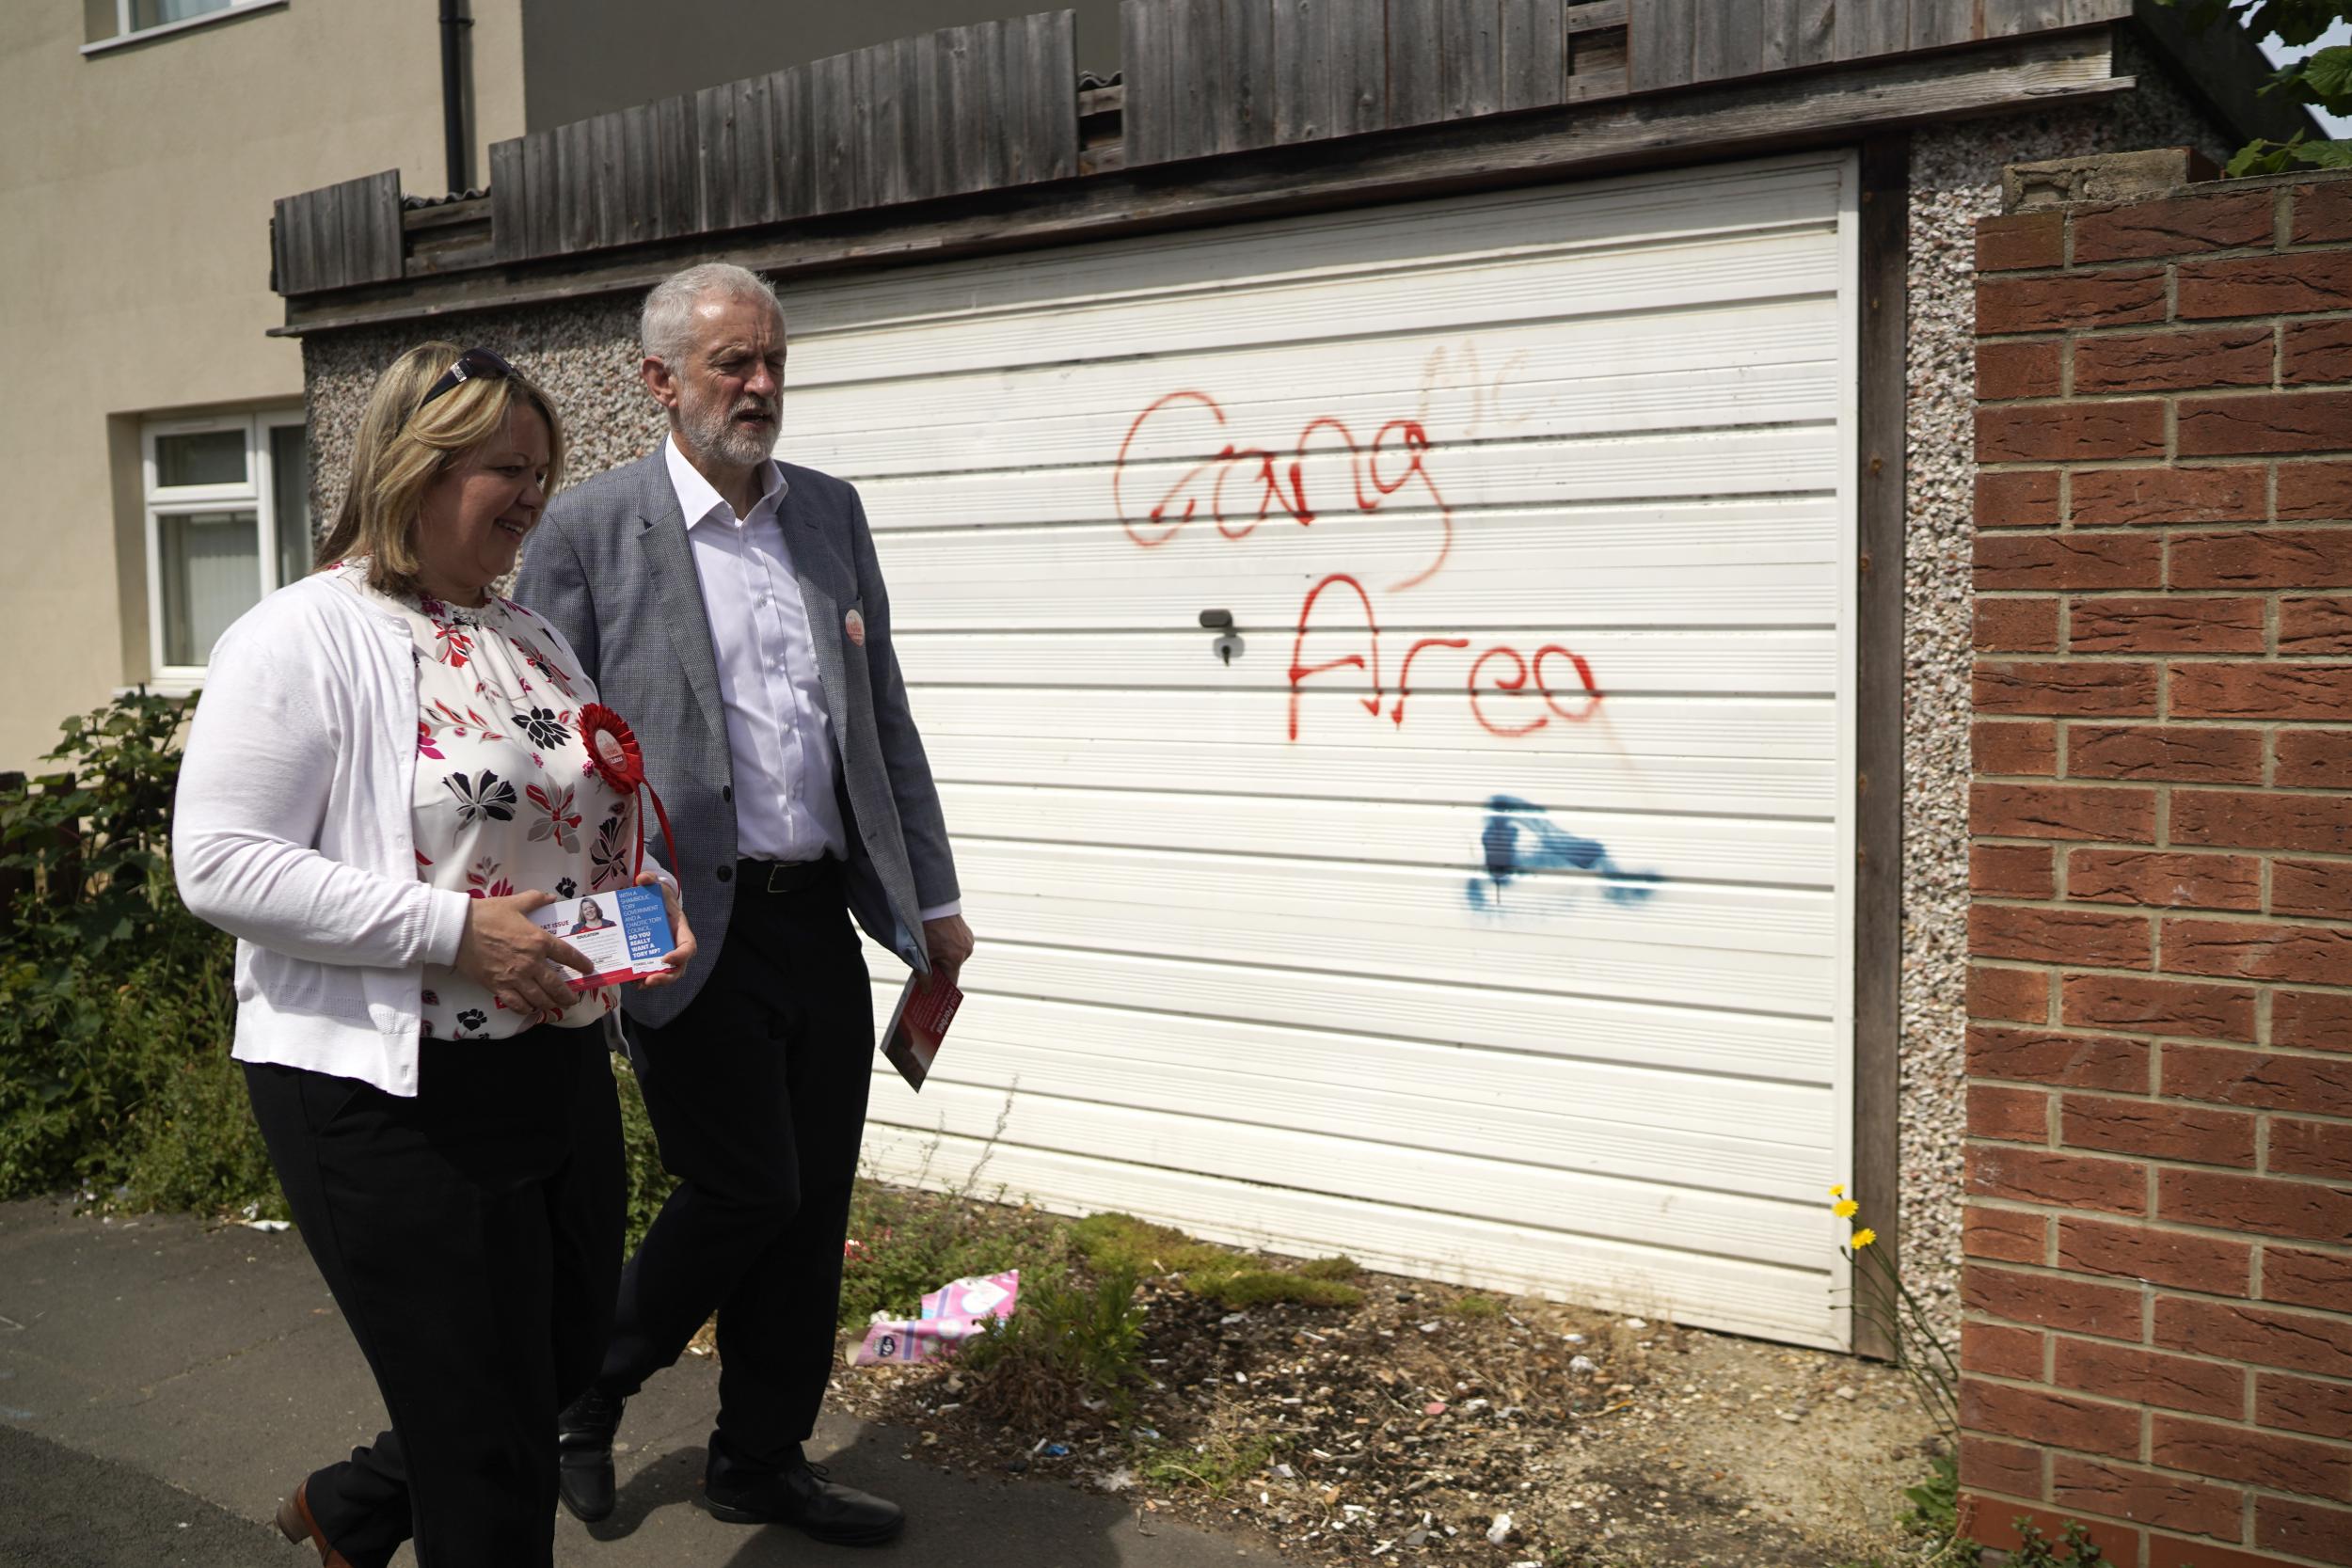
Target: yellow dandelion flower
1863, 1237
1839, 1191
1845, 1208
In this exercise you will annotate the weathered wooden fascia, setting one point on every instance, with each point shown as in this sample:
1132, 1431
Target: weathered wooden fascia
1843, 103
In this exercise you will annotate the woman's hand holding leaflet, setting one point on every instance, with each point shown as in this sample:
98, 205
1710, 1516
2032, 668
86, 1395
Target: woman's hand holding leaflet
512, 956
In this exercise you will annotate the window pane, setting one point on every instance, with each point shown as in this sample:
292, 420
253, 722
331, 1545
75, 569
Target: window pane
212, 570
203, 457
154, 13
290, 496
99, 21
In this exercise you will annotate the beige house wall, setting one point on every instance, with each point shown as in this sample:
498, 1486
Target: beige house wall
135, 192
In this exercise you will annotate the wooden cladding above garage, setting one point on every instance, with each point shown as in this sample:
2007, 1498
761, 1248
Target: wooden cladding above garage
337, 235
1209, 76
999, 107
946, 113
1679, 42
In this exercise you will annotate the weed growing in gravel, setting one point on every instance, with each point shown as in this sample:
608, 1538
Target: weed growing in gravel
1934, 1509
1933, 1518
1476, 1307
1072, 1345
1149, 1249
2037, 1550
1265, 1286
903, 1246
905, 1243
1210, 1271
1214, 1465
1882, 1299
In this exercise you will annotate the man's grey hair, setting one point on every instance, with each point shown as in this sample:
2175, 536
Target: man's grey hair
666, 329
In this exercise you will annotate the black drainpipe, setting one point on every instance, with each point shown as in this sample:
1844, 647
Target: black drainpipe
457, 146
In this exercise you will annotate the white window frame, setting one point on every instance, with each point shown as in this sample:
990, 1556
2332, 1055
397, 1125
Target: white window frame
257, 494
125, 36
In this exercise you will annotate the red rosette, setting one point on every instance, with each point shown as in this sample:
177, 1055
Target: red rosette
613, 752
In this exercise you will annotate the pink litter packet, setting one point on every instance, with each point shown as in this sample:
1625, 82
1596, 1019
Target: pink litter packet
951, 1314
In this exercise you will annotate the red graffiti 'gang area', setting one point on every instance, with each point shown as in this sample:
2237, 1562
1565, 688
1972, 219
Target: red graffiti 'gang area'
1281, 482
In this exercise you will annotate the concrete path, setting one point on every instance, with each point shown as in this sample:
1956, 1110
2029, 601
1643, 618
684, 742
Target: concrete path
161, 1386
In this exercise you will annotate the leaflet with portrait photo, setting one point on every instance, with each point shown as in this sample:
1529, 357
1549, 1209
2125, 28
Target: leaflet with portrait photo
625, 933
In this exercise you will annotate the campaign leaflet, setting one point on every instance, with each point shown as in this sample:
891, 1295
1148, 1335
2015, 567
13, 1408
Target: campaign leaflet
625, 933
919, 1022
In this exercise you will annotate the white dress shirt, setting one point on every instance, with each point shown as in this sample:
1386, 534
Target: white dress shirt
778, 729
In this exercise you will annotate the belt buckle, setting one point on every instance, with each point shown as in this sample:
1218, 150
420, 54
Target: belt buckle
791, 876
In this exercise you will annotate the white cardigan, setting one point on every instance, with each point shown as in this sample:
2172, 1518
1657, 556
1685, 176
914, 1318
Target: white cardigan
292, 832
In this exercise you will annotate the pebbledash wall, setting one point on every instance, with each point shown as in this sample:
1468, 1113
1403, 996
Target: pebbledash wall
2159, 1335
586, 352
1956, 180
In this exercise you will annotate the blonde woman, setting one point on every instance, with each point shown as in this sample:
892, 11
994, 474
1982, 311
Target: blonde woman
385, 778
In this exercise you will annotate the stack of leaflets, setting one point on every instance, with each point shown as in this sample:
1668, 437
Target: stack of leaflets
625, 933
919, 1022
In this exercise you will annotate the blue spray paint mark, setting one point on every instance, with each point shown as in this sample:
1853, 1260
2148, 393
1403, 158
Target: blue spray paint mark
1521, 837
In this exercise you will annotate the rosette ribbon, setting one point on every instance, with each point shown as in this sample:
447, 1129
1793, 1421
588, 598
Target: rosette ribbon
613, 752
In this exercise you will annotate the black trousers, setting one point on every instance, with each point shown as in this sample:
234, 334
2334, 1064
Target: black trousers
471, 1236
757, 1094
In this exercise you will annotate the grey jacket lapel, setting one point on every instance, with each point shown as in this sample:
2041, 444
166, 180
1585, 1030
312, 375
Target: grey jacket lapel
816, 565
677, 592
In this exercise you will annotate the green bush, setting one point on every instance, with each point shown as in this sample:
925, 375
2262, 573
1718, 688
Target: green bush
648, 1184
115, 1015
190, 1144
117, 1006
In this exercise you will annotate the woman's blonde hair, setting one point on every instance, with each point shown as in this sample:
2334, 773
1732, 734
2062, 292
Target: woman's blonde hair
401, 448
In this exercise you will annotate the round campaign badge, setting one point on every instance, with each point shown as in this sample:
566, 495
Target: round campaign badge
855, 624
613, 752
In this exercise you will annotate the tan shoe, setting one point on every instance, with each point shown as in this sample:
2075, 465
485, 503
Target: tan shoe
295, 1523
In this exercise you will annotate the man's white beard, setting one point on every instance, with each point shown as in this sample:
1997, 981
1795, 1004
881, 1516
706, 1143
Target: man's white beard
719, 436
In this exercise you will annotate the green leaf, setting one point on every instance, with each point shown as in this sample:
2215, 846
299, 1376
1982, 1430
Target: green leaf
2260, 157
2296, 22
2325, 155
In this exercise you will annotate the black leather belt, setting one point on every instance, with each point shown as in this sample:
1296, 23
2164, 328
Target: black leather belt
787, 875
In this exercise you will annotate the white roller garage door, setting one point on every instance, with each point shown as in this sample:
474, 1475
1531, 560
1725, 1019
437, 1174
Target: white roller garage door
1488, 915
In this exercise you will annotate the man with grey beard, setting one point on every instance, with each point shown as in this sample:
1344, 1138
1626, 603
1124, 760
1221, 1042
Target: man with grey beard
731, 609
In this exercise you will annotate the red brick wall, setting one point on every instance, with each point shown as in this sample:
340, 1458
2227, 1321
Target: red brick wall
2159, 1291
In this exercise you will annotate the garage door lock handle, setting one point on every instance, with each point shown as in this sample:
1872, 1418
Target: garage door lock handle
1227, 643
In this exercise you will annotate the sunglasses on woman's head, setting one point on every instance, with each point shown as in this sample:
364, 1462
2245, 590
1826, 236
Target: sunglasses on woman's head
474, 364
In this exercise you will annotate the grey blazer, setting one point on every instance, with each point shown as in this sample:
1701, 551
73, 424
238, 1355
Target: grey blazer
610, 564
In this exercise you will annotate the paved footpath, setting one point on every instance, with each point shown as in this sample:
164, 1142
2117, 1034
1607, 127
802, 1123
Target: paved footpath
161, 1386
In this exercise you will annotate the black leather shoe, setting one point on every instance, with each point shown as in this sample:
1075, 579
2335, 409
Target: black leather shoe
584, 1455
802, 1496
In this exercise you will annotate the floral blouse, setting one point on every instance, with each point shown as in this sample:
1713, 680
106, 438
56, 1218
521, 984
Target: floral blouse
506, 799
